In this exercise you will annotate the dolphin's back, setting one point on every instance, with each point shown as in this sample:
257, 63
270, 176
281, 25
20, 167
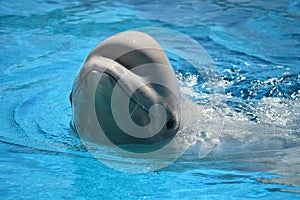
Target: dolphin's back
131, 49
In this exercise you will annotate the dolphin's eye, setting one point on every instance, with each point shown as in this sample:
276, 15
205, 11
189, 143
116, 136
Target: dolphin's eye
70, 97
170, 124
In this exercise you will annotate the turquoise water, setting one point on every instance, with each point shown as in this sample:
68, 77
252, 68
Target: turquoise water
256, 47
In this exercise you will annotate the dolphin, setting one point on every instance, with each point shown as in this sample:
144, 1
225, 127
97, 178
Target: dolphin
127, 90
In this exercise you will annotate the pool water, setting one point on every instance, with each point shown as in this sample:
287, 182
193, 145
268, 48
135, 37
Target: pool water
256, 48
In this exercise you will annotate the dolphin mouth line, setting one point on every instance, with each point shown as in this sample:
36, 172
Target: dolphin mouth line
137, 105
134, 100
116, 80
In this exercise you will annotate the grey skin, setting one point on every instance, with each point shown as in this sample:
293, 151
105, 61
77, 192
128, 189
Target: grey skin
122, 54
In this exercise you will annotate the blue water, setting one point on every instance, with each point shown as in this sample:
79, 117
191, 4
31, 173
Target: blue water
256, 48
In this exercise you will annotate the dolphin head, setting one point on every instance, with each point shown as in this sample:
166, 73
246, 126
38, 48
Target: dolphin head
136, 98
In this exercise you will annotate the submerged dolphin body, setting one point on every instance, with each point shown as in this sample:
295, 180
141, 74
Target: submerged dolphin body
127, 91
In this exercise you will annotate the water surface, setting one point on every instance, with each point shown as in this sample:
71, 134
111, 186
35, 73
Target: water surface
255, 45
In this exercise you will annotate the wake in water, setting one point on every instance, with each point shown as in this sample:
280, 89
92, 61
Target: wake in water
264, 133
252, 120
